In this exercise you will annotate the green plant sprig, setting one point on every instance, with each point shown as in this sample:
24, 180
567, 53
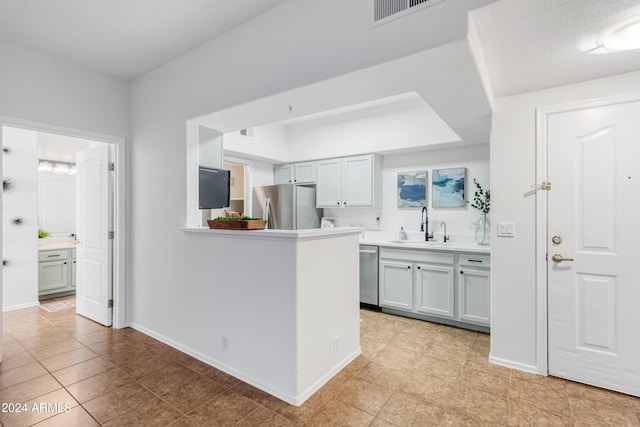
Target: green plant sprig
481, 198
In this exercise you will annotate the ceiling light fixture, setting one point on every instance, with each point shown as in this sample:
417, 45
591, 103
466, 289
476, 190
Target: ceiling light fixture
57, 167
45, 166
626, 37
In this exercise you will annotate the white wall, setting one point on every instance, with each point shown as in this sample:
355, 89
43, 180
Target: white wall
43, 89
282, 49
513, 163
20, 242
269, 142
475, 159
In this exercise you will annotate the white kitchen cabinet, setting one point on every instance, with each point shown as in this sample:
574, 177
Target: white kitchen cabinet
296, 173
426, 275
435, 286
283, 174
396, 284
474, 288
304, 173
423, 283
56, 271
350, 182
329, 183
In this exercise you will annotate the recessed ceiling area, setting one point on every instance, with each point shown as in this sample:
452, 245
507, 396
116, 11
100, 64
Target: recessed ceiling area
451, 104
405, 109
122, 38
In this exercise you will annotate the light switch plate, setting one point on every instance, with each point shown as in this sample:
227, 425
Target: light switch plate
506, 229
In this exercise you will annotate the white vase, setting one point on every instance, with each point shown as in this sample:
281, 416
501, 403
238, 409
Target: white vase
483, 230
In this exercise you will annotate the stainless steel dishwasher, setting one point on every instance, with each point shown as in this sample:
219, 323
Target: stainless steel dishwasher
369, 276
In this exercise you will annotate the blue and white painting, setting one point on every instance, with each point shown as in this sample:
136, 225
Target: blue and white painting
412, 189
448, 188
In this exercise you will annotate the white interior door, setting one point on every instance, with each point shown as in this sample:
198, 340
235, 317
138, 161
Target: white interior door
593, 209
94, 291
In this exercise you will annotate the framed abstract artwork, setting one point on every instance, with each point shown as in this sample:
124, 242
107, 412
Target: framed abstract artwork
412, 189
447, 188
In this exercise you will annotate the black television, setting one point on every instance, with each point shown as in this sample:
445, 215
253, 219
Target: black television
214, 188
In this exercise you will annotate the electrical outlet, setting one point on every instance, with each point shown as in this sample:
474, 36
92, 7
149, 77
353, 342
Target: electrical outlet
471, 224
336, 344
225, 343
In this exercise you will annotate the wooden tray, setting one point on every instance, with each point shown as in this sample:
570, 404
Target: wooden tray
251, 224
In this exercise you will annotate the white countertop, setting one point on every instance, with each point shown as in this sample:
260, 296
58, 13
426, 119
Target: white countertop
309, 234
50, 243
390, 240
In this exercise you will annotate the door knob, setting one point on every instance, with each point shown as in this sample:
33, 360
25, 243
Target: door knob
559, 258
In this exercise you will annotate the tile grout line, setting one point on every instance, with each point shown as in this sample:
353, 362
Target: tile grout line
61, 386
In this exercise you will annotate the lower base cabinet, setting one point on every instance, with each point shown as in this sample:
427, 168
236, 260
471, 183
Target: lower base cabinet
474, 289
447, 285
56, 271
435, 290
396, 284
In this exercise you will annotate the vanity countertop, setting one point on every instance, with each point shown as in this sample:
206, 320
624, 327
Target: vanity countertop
51, 243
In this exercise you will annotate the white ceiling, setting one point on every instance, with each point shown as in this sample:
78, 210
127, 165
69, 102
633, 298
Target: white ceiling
531, 45
124, 38
527, 44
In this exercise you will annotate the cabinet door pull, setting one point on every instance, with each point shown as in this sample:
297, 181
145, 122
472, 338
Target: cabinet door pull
461, 272
474, 260
418, 267
408, 266
65, 263
338, 203
52, 256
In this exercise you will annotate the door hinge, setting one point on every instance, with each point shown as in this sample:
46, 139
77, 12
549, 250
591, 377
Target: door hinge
111, 235
112, 167
110, 304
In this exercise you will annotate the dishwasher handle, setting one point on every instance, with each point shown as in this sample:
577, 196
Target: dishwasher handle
368, 251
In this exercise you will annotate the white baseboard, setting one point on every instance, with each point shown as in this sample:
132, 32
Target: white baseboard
267, 388
532, 369
20, 306
326, 377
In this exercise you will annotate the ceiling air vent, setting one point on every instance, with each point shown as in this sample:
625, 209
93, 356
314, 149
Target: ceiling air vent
386, 10
247, 132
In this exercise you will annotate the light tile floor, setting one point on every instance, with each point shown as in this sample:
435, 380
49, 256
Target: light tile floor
411, 373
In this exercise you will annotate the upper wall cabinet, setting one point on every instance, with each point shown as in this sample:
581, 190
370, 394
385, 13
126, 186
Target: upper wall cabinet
349, 182
297, 173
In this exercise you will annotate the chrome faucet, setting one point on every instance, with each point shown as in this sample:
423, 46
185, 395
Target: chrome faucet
445, 238
424, 225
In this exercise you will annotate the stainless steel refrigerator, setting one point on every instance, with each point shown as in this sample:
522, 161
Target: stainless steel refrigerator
287, 206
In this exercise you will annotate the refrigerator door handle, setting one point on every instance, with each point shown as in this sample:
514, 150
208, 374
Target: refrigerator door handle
267, 210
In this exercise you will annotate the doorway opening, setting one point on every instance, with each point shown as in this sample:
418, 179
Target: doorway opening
24, 212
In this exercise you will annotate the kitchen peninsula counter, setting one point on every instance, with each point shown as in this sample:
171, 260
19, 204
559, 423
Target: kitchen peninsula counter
278, 309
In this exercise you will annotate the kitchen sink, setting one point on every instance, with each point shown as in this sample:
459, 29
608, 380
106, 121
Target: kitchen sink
427, 244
